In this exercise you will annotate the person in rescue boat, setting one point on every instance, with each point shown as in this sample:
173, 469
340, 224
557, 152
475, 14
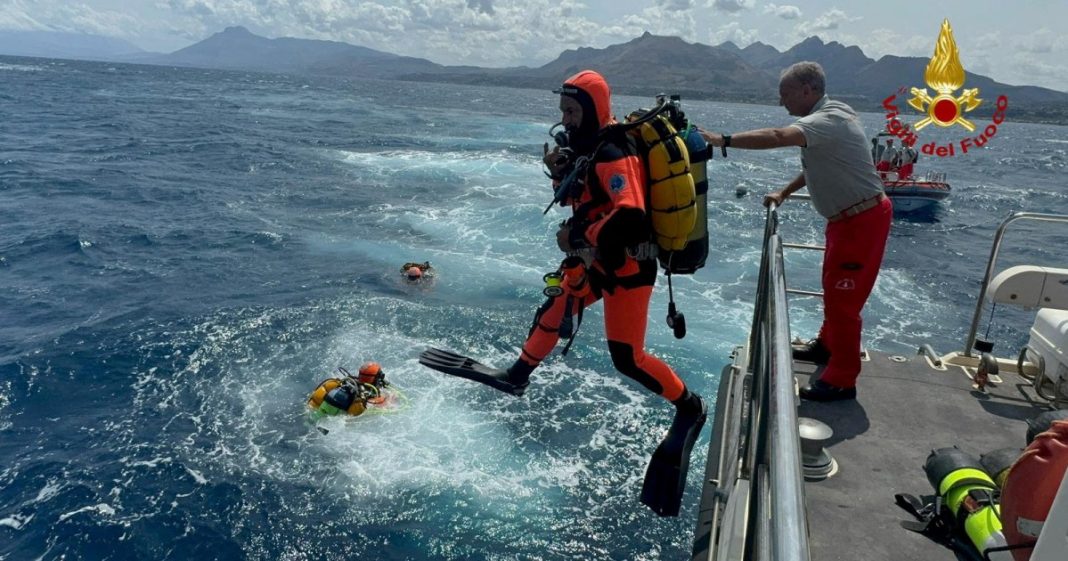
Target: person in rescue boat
887, 160
845, 188
608, 229
906, 157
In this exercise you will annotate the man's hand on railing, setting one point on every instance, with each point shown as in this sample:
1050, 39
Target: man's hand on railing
776, 197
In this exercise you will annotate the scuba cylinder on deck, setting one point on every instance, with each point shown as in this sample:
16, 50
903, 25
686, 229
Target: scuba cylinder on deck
970, 495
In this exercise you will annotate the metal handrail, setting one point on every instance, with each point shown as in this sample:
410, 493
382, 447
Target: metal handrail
800, 292
773, 443
1036, 216
758, 481
789, 525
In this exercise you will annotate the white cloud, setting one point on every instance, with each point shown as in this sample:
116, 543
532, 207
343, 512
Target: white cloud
661, 20
733, 5
828, 21
784, 12
1041, 41
484, 6
676, 4
481, 32
1026, 69
57, 15
882, 42
734, 33
13, 15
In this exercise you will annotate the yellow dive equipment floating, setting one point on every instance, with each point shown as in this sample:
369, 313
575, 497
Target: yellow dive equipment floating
369, 392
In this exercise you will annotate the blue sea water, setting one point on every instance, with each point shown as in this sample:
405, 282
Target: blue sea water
185, 254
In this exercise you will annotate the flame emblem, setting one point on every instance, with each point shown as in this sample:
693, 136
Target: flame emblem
945, 75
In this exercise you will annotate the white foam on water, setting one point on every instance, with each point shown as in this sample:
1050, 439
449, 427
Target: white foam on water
471, 165
911, 307
455, 438
20, 67
16, 521
101, 508
51, 489
153, 463
197, 476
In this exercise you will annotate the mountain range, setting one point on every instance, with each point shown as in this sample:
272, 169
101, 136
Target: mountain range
53, 44
646, 65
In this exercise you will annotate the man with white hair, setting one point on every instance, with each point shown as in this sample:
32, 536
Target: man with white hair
838, 171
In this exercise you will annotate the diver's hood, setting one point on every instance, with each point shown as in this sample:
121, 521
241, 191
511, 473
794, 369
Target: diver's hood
592, 92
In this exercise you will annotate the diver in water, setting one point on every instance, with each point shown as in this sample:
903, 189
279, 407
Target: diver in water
417, 272
350, 394
604, 177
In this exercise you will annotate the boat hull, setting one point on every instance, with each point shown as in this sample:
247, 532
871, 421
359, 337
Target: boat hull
909, 195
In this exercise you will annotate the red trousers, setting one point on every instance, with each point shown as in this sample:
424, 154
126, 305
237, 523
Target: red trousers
626, 315
883, 167
904, 172
855, 247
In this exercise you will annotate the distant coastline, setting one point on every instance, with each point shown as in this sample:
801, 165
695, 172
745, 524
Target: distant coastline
723, 72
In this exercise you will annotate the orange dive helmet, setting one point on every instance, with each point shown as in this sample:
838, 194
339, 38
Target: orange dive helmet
371, 373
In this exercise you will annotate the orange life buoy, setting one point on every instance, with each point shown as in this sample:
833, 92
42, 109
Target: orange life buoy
1030, 487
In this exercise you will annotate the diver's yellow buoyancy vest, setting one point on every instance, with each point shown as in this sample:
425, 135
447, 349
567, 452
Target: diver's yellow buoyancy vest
672, 196
675, 161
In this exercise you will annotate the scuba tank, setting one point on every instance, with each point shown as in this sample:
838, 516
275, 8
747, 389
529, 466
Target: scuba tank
693, 255
675, 158
970, 495
343, 398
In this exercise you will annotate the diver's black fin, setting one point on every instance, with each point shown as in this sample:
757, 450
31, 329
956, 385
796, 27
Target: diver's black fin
665, 479
463, 367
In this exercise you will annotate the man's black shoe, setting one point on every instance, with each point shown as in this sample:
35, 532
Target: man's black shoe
822, 391
814, 351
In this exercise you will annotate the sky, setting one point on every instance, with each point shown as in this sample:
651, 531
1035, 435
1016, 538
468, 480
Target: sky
1015, 45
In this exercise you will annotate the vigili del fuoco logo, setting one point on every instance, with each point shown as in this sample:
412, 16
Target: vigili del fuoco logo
945, 76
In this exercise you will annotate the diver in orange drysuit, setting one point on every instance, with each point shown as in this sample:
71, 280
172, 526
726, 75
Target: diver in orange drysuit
607, 241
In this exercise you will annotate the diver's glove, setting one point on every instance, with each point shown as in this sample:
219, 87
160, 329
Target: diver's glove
559, 161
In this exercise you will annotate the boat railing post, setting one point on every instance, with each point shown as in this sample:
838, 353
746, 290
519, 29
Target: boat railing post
994, 250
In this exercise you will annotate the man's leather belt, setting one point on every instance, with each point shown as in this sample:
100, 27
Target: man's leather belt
858, 208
